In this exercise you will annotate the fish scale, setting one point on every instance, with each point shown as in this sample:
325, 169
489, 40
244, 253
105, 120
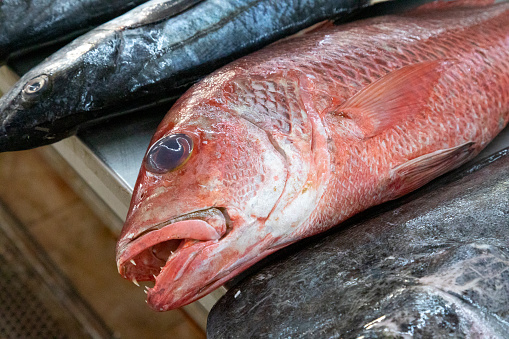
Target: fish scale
444, 46
337, 120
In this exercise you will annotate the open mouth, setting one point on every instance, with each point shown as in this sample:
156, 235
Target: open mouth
145, 256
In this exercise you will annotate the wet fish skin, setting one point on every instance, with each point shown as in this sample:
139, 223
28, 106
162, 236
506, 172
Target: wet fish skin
30, 24
148, 55
298, 137
431, 265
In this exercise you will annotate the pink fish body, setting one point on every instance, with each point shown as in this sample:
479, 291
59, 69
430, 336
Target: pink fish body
290, 141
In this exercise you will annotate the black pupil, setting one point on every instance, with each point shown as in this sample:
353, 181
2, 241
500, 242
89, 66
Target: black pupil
33, 87
168, 153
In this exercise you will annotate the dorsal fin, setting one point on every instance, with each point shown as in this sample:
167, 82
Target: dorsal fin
392, 98
151, 12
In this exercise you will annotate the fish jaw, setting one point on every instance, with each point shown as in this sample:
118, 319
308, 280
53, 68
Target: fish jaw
142, 257
198, 268
190, 258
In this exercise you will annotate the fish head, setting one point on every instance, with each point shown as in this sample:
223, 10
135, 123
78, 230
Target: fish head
27, 113
51, 100
208, 183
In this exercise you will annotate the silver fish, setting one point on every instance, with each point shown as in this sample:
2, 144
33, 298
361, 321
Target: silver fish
30, 24
148, 55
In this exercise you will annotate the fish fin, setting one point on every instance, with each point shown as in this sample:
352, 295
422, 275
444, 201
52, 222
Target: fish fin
156, 12
313, 28
392, 98
316, 27
415, 173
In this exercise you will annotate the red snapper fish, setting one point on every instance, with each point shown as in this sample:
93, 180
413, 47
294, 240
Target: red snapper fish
292, 140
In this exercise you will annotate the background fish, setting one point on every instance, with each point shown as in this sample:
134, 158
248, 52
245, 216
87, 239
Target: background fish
432, 265
30, 24
291, 140
149, 55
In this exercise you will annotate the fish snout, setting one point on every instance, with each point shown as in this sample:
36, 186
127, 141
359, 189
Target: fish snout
141, 257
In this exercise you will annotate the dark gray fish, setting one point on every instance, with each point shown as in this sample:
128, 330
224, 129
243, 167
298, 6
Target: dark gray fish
29, 24
435, 266
147, 55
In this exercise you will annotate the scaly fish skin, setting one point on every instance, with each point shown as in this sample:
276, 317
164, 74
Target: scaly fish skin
431, 265
293, 139
144, 57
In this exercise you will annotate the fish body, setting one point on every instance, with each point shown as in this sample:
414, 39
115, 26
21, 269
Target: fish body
432, 265
296, 138
148, 55
26, 25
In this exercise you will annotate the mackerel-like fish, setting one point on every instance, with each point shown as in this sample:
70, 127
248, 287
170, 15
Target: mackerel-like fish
291, 140
150, 54
30, 24
434, 265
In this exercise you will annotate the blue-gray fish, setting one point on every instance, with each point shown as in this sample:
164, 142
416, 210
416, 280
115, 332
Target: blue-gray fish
30, 24
146, 56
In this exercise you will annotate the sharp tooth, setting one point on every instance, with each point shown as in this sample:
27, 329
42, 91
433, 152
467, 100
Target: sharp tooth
132, 262
145, 291
136, 282
154, 276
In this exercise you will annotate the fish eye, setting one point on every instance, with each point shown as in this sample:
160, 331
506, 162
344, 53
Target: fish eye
169, 153
36, 86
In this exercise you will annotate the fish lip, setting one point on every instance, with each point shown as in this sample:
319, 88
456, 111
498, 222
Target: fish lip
156, 298
159, 304
194, 226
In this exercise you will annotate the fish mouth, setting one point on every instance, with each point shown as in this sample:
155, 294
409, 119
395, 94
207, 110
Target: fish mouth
166, 249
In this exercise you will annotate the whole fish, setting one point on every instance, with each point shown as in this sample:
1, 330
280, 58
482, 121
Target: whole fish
436, 265
292, 140
148, 55
30, 24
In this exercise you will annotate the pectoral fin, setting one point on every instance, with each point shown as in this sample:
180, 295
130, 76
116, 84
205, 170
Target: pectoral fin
391, 99
419, 171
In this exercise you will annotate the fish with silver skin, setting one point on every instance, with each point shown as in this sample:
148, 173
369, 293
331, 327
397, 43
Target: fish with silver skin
432, 265
30, 24
293, 139
148, 55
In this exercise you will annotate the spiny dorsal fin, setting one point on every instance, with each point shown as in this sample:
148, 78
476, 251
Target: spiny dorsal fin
392, 98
